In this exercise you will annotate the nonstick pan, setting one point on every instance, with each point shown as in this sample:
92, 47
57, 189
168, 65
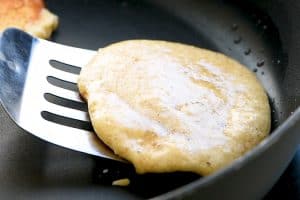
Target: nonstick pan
263, 35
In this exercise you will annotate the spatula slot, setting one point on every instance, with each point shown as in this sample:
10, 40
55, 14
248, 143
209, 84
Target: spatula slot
66, 121
62, 83
65, 102
65, 67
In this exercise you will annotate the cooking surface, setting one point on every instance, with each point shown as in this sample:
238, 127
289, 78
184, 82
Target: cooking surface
32, 168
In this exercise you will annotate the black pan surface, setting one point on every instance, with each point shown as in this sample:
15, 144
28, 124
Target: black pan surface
31, 168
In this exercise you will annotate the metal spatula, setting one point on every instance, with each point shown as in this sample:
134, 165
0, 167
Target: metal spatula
39, 92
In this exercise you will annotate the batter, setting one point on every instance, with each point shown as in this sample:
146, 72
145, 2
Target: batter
169, 107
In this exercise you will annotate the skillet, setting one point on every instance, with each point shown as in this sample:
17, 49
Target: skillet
263, 35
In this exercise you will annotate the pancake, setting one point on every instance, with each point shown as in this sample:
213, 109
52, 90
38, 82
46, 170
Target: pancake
28, 15
170, 107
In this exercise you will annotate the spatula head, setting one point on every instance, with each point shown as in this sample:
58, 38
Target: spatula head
38, 89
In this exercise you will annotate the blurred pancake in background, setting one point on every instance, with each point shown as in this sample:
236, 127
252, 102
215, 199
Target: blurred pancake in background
28, 15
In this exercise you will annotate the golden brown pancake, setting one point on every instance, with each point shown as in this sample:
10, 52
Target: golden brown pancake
169, 107
28, 15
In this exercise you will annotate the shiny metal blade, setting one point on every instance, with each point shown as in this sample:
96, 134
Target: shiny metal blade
26, 90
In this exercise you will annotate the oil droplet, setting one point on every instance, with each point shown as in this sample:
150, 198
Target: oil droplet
247, 52
278, 61
258, 22
234, 27
265, 27
260, 63
255, 70
237, 40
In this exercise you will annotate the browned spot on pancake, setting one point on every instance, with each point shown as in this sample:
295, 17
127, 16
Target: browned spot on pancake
212, 87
